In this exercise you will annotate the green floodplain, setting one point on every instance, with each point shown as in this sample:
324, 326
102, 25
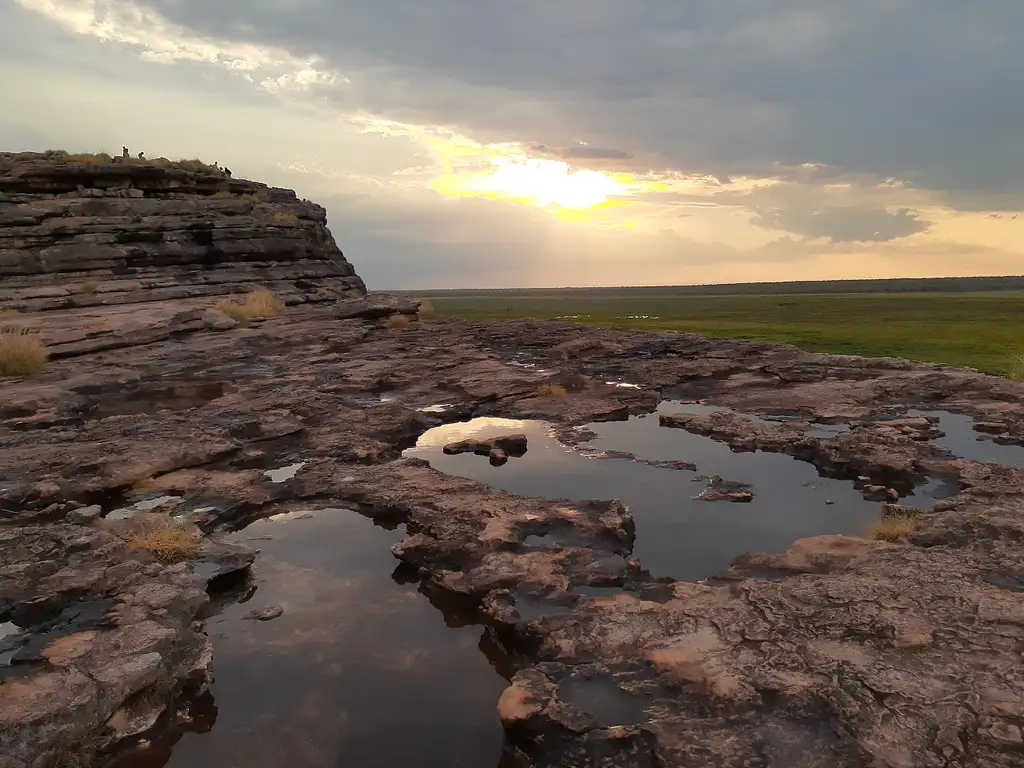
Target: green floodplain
970, 322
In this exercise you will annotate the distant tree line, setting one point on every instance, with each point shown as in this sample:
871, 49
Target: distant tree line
890, 285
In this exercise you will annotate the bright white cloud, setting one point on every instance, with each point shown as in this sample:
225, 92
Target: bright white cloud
124, 22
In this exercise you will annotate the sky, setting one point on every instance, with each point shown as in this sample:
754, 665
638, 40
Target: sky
477, 143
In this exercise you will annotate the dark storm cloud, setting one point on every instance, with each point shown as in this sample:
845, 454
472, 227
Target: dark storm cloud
924, 89
594, 158
580, 152
844, 224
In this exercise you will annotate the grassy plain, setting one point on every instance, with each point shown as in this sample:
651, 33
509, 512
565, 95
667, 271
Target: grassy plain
983, 330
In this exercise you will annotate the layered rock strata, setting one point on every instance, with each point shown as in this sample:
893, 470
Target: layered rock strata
76, 235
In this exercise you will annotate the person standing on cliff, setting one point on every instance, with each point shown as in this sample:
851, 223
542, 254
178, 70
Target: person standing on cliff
124, 152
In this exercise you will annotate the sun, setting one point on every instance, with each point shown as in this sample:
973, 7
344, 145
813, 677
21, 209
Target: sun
548, 182
538, 182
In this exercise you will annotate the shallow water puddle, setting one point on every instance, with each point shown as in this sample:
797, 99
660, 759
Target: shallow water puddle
147, 505
963, 441
284, 474
677, 534
359, 670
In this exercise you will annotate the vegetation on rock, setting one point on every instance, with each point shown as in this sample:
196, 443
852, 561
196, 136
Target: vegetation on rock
22, 352
892, 527
260, 303
397, 322
168, 541
551, 390
98, 158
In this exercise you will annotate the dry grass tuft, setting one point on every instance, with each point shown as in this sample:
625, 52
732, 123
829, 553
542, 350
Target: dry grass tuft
397, 322
290, 218
221, 194
892, 527
170, 542
254, 197
551, 390
192, 164
9, 312
90, 287
426, 308
22, 352
258, 303
88, 158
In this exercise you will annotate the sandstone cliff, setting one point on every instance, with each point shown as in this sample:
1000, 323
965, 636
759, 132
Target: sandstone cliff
87, 234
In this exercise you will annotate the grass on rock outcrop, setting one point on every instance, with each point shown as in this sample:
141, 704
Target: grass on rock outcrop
260, 303
22, 352
551, 390
99, 158
398, 322
169, 542
892, 527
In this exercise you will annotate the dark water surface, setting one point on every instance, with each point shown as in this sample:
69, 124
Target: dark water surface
964, 442
677, 535
360, 670
363, 670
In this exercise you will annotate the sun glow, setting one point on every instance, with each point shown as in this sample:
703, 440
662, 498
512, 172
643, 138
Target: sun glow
538, 182
548, 182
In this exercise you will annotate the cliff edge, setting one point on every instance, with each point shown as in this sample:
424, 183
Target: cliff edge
80, 235
83, 244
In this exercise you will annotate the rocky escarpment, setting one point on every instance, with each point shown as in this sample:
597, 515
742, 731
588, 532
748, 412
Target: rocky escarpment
83, 236
116, 254
841, 651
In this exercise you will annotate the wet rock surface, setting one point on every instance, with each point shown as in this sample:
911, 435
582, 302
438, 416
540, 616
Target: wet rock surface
829, 655
838, 651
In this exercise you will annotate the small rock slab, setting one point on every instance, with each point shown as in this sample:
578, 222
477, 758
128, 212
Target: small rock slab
269, 613
499, 449
374, 307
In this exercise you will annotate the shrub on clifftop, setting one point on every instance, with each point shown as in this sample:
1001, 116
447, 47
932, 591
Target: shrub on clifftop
97, 158
88, 158
22, 352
